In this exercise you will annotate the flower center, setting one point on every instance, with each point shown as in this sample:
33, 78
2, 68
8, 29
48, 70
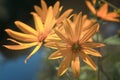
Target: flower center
76, 47
41, 37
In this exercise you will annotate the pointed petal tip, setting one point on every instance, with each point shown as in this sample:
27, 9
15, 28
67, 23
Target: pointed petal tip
49, 57
25, 61
4, 46
60, 74
35, 6
102, 45
32, 13
17, 23
57, 2
7, 30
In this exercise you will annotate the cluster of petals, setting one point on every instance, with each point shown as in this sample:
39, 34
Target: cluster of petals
71, 36
74, 42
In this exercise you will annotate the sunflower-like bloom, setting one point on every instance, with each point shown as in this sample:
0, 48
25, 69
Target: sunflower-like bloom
31, 37
75, 44
102, 12
42, 11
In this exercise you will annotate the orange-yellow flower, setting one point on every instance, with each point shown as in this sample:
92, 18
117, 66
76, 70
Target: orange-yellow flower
102, 12
74, 44
56, 11
30, 37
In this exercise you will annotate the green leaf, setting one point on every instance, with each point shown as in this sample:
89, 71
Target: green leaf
98, 37
113, 40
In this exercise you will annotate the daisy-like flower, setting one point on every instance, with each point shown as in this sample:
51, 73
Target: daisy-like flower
31, 37
42, 11
102, 12
75, 44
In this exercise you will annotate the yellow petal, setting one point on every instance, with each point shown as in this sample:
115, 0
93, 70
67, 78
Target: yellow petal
93, 44
89, 33
64, 15
25, 28
38, 23
92, 52
50, 20
21, 46
68, 29
87, 60
38, 10
44, 5
56, 8
78, 27
75, 65
56, 55
33, 52
90, 6
51, 45
88, 23
59, 12
64, 65
61, 35
52, 37
21, 36
17, 42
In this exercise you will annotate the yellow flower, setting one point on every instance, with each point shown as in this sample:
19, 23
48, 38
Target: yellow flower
103, 13
74, 44
56, 11
31, 37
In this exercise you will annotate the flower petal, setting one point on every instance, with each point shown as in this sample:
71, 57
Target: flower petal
38, 23
56, 8
25, 28
89, 33
50, 20
102, 12
57, 54
64, 15
93, 44
64, 64
21, 46
44, 5
17, 42
75, 65
33, 52
91, 7
68, 29
78, 28
53, 44
61, 35
38, 10
21, 36
92, 52
113, 16
87, 60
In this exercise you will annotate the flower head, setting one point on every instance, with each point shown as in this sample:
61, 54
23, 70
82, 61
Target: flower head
102, 12
75, 44
30, 37
42, 11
